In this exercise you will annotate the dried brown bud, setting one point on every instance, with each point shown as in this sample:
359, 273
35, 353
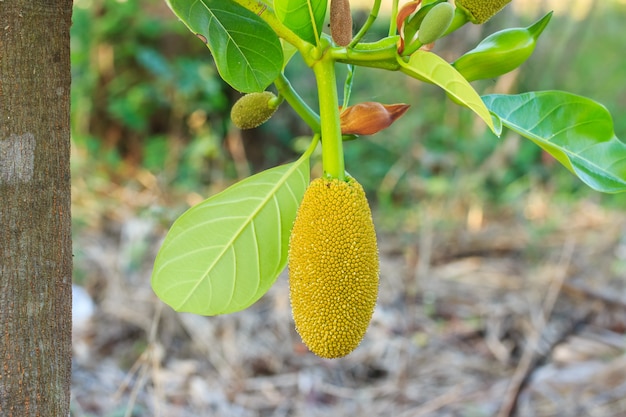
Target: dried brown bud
370, 117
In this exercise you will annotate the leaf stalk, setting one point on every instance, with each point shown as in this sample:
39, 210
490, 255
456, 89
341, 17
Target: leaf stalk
266, 13
285, 89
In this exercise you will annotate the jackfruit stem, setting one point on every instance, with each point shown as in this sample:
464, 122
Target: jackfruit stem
392, 22
368, 23
332, 144
460, 18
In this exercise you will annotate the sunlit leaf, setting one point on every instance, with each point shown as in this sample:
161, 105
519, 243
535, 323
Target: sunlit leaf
304, 17
223, 254
575, 130
431, 68
246, 50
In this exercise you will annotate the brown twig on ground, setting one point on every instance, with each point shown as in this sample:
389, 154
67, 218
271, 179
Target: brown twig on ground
530, 357
146, 361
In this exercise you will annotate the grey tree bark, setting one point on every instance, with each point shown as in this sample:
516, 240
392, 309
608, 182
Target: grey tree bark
35, 222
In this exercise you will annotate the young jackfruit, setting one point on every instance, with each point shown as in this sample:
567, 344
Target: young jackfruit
479, 11
252, 110
435, 23
333, 267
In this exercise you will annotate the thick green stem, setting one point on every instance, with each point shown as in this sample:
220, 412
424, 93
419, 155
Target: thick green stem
332, 145
384, 58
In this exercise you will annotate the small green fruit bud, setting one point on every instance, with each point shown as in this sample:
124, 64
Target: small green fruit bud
252, 110
435, 23
501, 52
479, 11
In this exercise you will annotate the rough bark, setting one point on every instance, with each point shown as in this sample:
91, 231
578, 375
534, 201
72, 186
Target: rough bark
35, 228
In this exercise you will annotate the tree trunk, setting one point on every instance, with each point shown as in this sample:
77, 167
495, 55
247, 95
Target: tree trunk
35, 228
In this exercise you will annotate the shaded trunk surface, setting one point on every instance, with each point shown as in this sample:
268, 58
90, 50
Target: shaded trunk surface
35, 224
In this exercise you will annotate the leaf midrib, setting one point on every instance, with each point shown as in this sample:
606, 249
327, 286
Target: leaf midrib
238, 233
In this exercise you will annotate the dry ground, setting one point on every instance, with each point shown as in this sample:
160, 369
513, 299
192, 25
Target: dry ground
481, 313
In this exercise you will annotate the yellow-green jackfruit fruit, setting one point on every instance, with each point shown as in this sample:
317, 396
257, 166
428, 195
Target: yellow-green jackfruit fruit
252, 110
479, 11
333, 267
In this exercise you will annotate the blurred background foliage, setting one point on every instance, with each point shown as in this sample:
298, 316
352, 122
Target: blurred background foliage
149, 108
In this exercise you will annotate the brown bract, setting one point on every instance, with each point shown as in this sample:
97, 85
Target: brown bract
370, 117
405, 11
403, 14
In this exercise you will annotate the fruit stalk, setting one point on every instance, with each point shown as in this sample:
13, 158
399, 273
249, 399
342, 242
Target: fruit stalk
332, 144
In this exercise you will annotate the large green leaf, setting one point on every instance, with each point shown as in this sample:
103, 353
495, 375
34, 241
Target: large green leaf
431, 68
246, 50
223, 254
576, 130
304, 17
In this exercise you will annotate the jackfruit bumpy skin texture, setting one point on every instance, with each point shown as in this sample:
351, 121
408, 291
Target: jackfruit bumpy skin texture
480, 11
252, 110
333, 267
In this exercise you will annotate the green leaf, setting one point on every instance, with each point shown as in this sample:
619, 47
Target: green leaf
223, 254
246, 50
431, 68
576, 130
304, 17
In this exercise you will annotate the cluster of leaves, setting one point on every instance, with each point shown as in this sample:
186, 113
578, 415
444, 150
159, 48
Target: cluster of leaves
222, 255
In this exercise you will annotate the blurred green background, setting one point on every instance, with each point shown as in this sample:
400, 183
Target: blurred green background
148, 108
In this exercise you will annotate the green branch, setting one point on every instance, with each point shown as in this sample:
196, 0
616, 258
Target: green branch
392, 21
286, 90
381, 54
368, 23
